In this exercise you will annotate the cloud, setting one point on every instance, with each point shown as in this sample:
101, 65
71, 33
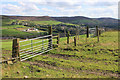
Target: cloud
20, 9
11, 9
90, 8
28, 6
70, 1
46, 9
104, 3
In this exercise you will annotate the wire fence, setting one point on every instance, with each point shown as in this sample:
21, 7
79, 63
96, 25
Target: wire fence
32, 47
85, 34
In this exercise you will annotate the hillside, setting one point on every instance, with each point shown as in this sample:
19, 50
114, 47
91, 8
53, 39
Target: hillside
79, 20
102, 22
17, 26
30, 18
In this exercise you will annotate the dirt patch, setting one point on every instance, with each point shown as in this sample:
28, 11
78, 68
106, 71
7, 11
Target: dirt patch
47, 62
70, 49
65, 55
105, 74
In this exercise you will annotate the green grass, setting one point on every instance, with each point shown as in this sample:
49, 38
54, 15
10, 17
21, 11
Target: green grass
50, 22
13, 26
7, 45
46, 22
89, 59
7, 22
17, 33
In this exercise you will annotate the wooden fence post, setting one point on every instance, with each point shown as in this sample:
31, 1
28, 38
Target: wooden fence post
58, 38
50, 38
98, 36
96, 30
15, 49
87, 31
99, 32
75, 41
64, 31
68, 37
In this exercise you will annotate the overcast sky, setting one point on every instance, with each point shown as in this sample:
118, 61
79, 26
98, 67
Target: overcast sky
88, 8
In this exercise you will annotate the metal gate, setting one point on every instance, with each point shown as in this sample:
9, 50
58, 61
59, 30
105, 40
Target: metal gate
36, 46
92, 32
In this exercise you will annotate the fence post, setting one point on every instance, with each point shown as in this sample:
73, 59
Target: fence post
68, 37
98, 36
87, 31
58, 38
64, 31
96, 30
75, 41
15, 49
99, 32
50, 38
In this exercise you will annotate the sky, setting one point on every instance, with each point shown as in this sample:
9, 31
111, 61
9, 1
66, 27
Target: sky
57, 8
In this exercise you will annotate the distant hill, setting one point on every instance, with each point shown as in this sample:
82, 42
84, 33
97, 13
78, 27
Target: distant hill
102, 22
80, 20
31, 18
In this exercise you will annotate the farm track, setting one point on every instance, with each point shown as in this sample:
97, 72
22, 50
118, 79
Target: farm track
53, 66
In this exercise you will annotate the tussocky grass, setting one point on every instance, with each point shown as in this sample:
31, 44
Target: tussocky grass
89, 59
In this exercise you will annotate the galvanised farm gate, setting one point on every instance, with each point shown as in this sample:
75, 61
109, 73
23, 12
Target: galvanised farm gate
26, 49
33, 47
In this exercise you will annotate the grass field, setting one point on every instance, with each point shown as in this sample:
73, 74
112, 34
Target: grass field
49, 22
13, 26
17, 33
17, 30
46, 22
86, 60
7, 22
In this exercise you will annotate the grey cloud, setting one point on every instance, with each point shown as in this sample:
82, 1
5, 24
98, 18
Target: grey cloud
60, 4
105, 3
